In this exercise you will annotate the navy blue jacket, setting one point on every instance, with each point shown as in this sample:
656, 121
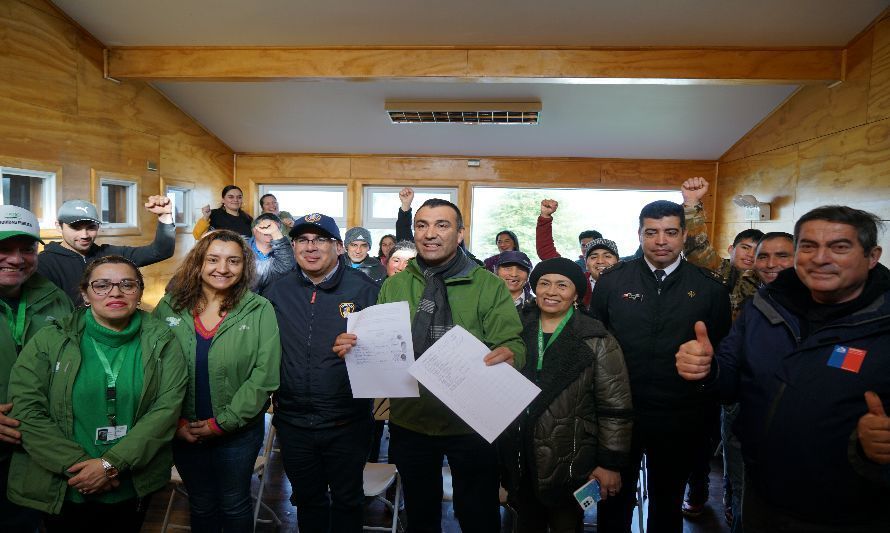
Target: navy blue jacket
798, 415
314, 390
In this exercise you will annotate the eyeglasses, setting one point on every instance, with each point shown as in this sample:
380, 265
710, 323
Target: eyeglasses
102, 286
318, 241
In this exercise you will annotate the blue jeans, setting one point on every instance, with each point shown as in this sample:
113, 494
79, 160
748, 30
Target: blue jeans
217, 475
325, 466
733, 466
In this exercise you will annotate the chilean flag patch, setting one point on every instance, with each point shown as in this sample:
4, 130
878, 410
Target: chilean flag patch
846, 358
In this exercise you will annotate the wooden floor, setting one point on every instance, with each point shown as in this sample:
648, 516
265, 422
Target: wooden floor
277, 492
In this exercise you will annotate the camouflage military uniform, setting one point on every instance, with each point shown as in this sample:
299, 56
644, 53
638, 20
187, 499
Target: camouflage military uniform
698, 251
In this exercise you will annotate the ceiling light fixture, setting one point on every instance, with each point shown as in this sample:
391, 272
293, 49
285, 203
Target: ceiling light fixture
412, 112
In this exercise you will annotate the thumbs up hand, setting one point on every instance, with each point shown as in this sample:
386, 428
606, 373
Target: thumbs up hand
874, 430
694, 357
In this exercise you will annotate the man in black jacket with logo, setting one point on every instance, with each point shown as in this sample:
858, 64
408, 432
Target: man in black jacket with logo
651, 305
325, 433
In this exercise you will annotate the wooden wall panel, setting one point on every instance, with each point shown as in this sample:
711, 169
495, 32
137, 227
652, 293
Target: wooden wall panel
771, 177
815, 110
56, 110
39, 62
836, 148
879, 90
359, 170
852, 167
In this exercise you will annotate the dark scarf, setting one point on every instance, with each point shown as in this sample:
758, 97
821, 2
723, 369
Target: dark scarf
433, 316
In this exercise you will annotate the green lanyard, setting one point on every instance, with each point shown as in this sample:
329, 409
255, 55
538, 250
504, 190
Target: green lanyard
556, 332
110, 381
17, 322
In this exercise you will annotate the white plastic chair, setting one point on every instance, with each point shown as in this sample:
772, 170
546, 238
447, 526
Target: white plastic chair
377, 478
260, 466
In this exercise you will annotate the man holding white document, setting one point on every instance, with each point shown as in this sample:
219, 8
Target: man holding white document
324, 431
445, 289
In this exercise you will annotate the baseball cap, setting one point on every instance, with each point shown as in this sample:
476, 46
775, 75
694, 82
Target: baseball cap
357, 234
601, 244
77, 210
15, 221
515, 258
315, 222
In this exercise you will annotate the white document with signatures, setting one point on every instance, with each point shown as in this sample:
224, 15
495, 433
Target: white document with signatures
378, 363
487, 398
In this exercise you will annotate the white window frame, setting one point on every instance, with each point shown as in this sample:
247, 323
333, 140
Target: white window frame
371, 222
270, 188
132, 188
187, 210
47, 198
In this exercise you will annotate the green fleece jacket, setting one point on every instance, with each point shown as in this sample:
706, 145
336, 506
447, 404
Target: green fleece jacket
40, 387
244, 359
481, 304
44, 302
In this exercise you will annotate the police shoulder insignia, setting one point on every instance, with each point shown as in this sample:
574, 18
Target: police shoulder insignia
346, 308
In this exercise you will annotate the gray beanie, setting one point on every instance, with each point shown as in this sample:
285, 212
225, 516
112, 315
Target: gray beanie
357, 233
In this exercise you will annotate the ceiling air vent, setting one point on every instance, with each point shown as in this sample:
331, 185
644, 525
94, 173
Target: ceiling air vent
464, 112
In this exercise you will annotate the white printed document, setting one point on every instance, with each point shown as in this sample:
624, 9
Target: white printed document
487, 398
378, 363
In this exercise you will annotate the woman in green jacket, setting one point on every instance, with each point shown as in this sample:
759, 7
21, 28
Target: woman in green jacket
230, 339
98, 395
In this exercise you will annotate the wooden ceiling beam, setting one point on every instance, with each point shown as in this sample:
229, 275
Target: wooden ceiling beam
674, 65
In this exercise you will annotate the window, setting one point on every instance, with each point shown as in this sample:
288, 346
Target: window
300, 200
615, 214
117, 202
380, 206
182, 205
33, 190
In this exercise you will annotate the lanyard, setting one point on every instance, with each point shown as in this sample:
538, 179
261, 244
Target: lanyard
110, 381
17, 322
556, 332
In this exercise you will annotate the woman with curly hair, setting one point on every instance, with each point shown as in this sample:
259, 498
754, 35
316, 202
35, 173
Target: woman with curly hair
230, 339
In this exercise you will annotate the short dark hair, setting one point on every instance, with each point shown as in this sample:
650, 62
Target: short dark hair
663, 208
589, 234
775, 235
263, 197
750, 233
228, 188
866, 224
439, 202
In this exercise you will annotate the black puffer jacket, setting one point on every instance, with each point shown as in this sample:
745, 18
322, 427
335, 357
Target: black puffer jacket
582, 418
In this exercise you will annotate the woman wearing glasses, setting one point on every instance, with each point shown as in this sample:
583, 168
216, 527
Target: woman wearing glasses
98, 396
230, 339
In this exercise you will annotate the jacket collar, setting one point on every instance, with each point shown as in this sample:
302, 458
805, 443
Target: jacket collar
328, 283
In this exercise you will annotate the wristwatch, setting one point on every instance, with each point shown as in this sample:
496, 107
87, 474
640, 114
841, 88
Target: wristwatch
110, 470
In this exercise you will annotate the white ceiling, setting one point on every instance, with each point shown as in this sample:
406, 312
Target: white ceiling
634, 121
626, 121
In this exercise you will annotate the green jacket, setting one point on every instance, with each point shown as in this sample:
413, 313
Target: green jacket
481, 304
40, 387
44, 302
244, 360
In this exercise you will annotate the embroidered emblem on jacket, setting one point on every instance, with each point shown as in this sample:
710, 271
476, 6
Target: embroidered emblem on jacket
173, 321
346, 308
